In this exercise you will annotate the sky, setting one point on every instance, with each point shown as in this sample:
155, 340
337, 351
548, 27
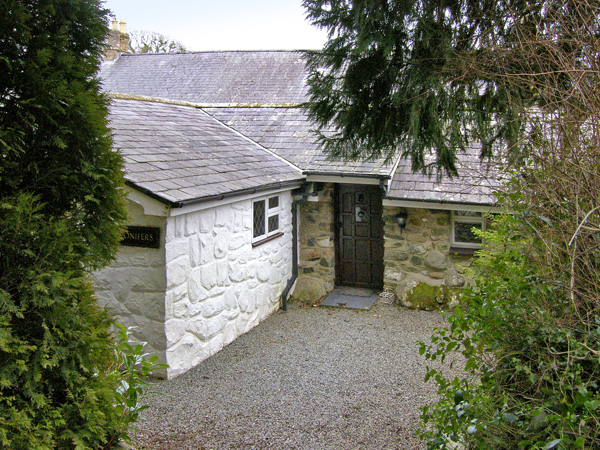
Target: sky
223, 24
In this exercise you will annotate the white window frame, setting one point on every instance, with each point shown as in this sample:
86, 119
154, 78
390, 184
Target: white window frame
466, 219
269, 212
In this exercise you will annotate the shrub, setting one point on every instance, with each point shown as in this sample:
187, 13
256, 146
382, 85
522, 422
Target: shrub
61, 215
133, 367
55, 345
531, 364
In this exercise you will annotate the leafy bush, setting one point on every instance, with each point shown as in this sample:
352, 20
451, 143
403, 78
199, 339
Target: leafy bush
61, 214
63, 382
133, 367
55, 343
530, 330
531, 363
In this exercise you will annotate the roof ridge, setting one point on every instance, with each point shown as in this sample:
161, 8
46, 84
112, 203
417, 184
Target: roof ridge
266, 149
144, 98
192, 52
183, 103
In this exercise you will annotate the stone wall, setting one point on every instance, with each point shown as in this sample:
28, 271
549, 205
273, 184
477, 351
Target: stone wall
316, 238
133, 287
419, 255
218, 285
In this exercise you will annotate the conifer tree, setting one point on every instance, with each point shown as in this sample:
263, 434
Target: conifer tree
61, 215
419, 76
431, 76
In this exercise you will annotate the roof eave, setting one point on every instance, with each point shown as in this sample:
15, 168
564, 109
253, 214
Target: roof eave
346, 174
291, 184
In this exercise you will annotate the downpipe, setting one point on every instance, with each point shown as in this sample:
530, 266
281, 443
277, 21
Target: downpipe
286, 291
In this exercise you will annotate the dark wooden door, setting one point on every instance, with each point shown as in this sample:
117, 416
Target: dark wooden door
360, 236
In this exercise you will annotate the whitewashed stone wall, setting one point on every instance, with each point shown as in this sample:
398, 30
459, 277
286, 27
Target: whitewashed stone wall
218, 285
133, 287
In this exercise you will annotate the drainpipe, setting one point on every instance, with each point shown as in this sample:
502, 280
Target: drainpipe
291, 281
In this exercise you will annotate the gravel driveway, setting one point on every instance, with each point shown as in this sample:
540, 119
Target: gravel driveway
309, 378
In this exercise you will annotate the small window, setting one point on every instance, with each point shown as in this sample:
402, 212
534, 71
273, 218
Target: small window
259, 219
265, 218
463, 223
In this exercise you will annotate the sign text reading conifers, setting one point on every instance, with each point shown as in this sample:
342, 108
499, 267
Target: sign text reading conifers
148, 237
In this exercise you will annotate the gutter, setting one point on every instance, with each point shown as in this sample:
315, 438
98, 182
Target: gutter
346, 174
438, 202
217, 197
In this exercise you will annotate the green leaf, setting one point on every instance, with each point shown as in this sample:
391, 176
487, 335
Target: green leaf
509, 417
553, 444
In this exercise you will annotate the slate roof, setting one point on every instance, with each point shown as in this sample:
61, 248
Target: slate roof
288, 132
181, 154
258, 94
260, 77
258, 88
476, 184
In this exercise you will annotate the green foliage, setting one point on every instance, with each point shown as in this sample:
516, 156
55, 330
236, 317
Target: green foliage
61, 215
55, 347
426, 77
133, 368
531, 371
54, 141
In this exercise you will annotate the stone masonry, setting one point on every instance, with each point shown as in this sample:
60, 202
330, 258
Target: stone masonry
316, 268
218, 285
420, 252
204, 287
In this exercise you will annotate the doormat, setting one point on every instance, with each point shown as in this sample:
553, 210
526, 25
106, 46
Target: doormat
340, 298
357, 292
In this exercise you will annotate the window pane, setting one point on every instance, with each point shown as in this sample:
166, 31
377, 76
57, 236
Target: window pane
273, 202
274, 223
259, 218
463, 233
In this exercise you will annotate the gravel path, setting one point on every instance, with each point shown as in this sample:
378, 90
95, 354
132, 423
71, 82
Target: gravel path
309, 378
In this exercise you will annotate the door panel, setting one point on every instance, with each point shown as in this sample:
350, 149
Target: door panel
360, 236
361, 230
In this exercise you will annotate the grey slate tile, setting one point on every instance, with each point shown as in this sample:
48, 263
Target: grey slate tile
476, 184
176, 175
211, 77
179, 144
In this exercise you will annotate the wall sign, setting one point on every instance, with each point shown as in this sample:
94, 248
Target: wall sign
148, 237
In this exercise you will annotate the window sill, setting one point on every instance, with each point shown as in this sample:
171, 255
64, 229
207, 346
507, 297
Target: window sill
462, 251
267, 239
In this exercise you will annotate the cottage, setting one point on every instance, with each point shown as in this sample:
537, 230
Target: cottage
223, 164
209, 249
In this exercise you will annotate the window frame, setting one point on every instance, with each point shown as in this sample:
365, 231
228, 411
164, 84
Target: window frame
268, 213
466, 219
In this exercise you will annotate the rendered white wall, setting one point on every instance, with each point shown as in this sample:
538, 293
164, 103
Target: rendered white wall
218, 285
133, 287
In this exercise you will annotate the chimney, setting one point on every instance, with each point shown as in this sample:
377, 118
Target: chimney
123, 38
118, 41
